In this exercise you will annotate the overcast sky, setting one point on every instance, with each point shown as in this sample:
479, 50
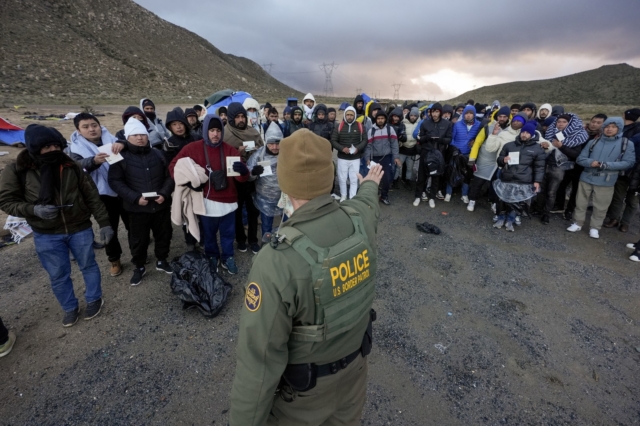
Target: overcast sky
436, 49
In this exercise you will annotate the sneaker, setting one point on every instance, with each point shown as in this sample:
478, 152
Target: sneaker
416, 202
71, 317
518, 221
230, 266
593, 233
574, 228
424, 196
447, 198
8, 345
635, 257
163, 266
465, 199
495, 218
439, 195
213, 264
116, 268
493, 208
93, 309
545, 219
385, 201
509, 227
98, 246
499, 223
242, 247
632, 246
138, 273
432, 203
472, 206
255, 248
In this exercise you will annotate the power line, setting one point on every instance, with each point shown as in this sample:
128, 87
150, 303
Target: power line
328, 84
396, 90
268, 67
358, 91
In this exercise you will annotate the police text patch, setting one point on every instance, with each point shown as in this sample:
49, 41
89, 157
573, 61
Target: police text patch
253, 297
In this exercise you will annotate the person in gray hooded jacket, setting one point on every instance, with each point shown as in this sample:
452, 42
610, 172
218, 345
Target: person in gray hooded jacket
157, 138
603, 158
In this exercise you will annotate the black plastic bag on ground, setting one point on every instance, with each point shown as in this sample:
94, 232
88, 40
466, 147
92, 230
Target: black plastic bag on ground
197, 285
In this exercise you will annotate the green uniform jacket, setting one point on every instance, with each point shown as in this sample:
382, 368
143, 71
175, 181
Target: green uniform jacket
77, 188
287, 299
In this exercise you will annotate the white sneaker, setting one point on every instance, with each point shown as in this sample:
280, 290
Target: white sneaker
634, 258
518, 221
493, 208
632, 246
465, 199
574, 228
593, 233
416, 202
447, 198
439, 195
425, 197
432, 203
472, 205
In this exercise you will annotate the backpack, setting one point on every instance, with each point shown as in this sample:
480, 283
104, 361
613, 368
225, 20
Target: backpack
456, 170
341, 125
434, 162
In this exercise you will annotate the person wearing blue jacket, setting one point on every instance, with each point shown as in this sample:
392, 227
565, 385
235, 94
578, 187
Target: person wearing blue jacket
603, 158
463, 136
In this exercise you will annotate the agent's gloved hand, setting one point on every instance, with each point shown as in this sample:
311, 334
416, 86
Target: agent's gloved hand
106, 234
46, 212
197, 189
257, 170
240, 167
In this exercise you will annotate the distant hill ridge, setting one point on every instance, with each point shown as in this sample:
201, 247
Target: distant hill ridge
67, 51
608, 85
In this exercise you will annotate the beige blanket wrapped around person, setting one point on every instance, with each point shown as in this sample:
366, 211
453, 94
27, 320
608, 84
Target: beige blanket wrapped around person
188, 203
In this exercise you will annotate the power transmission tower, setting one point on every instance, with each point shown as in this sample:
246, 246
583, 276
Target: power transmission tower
328, 70
358, 91
396, 90
267, 67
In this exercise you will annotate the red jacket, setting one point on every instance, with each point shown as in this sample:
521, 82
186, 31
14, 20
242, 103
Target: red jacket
195, 151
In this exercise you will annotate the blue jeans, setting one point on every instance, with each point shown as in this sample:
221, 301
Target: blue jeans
465, 189
267, 223
210, 227
53, 252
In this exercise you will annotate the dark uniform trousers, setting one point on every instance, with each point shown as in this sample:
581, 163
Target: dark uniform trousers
337, 399
140, 224
245, 189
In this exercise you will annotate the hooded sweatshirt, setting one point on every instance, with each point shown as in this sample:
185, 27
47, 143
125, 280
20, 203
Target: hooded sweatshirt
543, 106
290, 125
235, 136
606, 150
463, 133
324, 127
401, 130
253, 118
176, 143
159, 127
308, 112
348, 134
128, 113
382, 141
195, 151
359, 112
409, 146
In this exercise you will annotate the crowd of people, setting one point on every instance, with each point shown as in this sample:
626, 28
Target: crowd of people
215, 174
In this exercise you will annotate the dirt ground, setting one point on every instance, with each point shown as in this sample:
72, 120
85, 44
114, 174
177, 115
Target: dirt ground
475, 326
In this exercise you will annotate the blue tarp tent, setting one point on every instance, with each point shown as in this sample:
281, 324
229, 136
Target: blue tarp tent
366, 98
344, 106
225, 101
10, 134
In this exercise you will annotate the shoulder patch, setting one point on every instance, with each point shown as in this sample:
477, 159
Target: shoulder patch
253, 297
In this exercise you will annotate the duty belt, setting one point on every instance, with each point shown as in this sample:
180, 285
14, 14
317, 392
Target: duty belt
341, 364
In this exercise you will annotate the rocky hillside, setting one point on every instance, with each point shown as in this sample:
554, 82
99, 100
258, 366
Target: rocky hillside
64, 51
607, 85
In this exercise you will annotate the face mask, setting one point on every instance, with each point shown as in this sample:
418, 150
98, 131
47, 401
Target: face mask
150, 115
51, 157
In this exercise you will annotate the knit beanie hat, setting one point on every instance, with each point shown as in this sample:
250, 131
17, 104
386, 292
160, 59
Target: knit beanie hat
565, 117
189, 112
37, 137
415, 112
520, 117
549, 121
515, 106
505, 110
529, 127
222, 110
331, 110
632, 114
134, 127
305, 165
437, 106
148, 102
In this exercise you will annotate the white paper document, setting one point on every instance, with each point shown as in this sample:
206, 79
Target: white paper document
514, 158
150, 195
230, 161
267, 168
352, 150
560, 136
249, 145
371, 164
112, 158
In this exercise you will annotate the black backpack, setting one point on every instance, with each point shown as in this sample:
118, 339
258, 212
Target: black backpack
434, 162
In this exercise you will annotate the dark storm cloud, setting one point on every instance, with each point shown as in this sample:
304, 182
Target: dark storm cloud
378, 42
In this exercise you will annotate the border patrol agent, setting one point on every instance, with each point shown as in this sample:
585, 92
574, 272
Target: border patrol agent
305, 329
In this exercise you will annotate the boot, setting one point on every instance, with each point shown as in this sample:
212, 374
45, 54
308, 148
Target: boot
116, 268
624, 227
611, 223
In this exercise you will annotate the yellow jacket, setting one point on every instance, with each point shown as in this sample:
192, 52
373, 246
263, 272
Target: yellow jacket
483, 134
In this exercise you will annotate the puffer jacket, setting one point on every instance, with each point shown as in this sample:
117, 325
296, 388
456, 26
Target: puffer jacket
350, 134
531, 166
607, 151
461, 136
430, 129
142, 170
322, 128
401, 130
20, 189
409, 147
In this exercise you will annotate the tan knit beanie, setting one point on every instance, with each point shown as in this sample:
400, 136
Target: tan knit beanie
305, 165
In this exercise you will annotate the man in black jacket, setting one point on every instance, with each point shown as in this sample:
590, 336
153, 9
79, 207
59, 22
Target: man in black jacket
350, 140
196, 126
321, 125
435, 133
143, 182
180, 133
528, 169
395, 121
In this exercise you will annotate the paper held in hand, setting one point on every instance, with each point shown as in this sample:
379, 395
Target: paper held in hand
352, 150
266, 165
112, 158
514, 158
371, 164
560, 136
150, 195
249, 145
230, 161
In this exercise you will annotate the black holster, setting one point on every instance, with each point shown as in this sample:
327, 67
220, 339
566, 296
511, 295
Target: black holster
367, 339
